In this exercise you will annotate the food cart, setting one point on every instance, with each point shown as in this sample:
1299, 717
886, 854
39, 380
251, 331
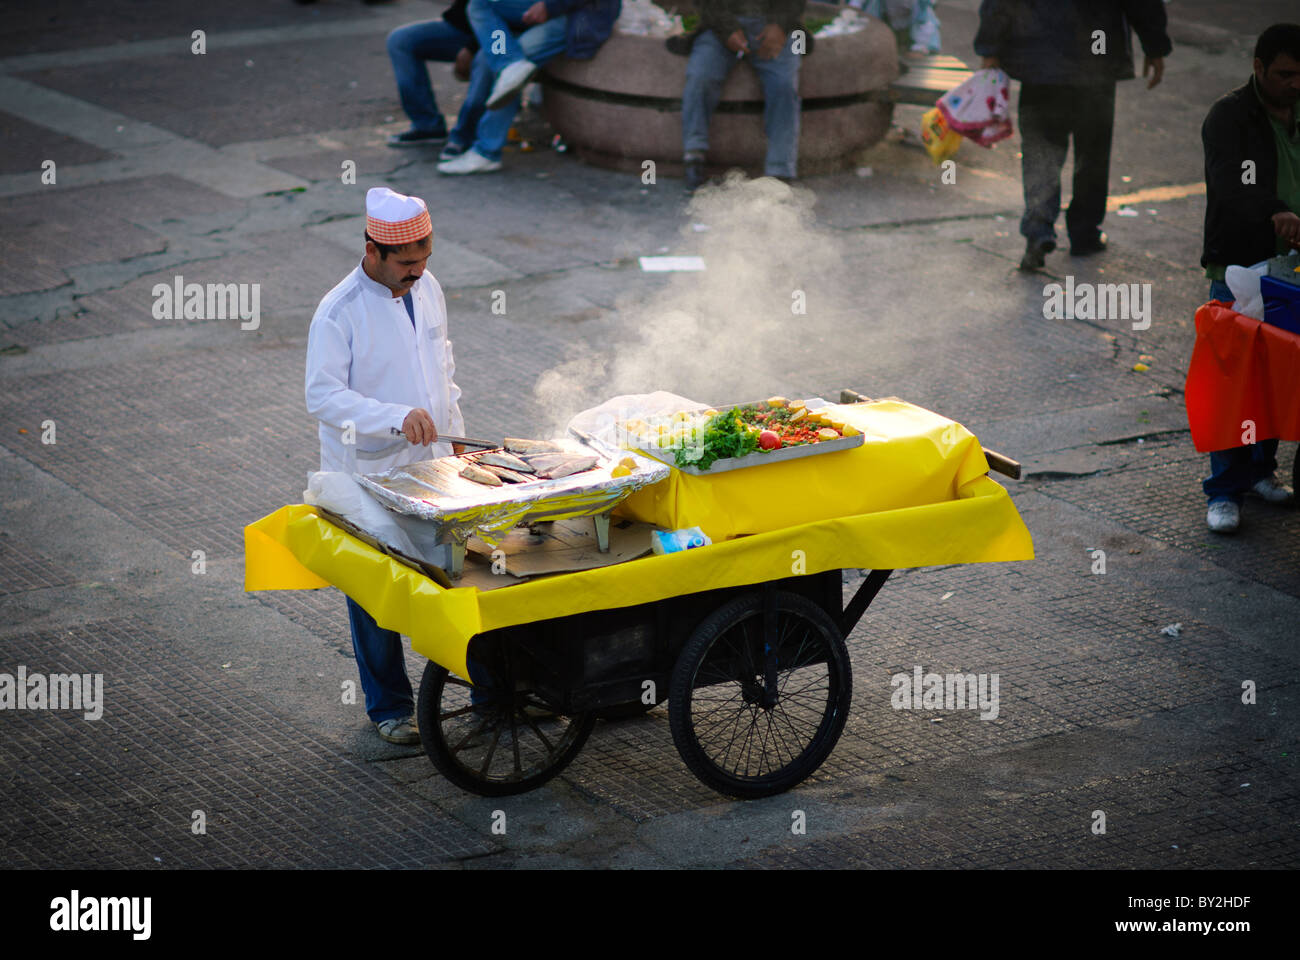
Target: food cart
744, 638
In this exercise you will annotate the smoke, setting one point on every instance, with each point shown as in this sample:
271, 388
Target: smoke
725, 334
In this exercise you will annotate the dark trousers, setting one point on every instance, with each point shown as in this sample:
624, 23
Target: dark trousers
1050, 114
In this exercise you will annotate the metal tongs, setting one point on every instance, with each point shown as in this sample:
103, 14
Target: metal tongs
393, 447
448, 438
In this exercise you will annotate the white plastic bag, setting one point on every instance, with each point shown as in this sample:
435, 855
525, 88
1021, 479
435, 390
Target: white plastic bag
339, 493
980, 108
1244, 284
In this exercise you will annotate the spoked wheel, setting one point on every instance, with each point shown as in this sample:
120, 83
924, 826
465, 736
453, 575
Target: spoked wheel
752, 720
507, 742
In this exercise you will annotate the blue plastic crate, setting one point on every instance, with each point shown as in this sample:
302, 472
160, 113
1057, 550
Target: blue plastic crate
1281, 303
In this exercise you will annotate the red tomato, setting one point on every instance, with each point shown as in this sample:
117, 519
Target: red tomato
769, 440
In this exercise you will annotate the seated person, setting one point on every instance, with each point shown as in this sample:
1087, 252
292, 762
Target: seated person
409, 48
757, 31
575, 28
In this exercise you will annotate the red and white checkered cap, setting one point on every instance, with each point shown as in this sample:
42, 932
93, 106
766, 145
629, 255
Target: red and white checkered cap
395, 219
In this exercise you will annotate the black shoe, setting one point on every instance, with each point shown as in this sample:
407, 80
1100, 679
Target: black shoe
1082, 248
681, 43
419, 138
694, 175
1036, 254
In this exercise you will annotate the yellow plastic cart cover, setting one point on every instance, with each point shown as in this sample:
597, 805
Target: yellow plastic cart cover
910, 457
959, 517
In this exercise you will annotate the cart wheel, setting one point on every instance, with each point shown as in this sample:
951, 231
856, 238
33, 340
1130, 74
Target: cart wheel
508, 743
753, 725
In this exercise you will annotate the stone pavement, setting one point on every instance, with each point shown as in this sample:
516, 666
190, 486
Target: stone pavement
171, 434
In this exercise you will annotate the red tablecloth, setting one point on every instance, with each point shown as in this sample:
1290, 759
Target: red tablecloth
1241, 369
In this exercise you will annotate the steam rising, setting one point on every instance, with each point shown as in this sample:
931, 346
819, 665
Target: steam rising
722, 335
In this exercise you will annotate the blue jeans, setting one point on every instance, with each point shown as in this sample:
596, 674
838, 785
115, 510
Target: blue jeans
382, 667
493, 22
484, 129
408, 49
1233, 472
707, 70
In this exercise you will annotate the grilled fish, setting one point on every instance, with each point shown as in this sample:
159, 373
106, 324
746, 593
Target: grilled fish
509, 476
480, 475
516, 445
552, 466
497, 458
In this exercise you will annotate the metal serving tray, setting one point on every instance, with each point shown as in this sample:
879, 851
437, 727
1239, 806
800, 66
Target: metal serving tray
757, 458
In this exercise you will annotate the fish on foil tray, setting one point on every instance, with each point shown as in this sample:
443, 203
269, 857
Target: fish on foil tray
523, 480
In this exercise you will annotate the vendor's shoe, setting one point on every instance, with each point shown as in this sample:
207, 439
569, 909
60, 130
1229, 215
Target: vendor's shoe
1085, 248
1036, 252
471, 161
399, 730
1224, 516
1272, 491
418, 138
509, 81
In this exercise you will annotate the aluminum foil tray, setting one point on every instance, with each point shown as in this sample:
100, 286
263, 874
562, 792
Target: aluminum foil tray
433, 490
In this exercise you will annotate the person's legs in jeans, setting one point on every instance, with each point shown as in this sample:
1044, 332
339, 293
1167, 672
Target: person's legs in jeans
780, 79
473, 109
1234, 471
1093, 114
382, 667
706, 71
493, 22
1045, 136
539, 44
409, 48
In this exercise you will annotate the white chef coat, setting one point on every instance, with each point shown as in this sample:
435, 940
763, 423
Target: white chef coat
366, 364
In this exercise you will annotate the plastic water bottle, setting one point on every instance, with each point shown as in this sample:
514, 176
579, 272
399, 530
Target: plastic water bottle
673, 541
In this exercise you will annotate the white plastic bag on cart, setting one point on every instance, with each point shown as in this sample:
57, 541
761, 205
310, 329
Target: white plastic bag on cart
339, 493
1244, 284
980, 108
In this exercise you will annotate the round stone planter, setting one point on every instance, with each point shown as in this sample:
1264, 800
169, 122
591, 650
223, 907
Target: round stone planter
623, 107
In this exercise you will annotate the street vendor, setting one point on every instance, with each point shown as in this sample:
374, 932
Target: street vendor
379, 363
1252, 211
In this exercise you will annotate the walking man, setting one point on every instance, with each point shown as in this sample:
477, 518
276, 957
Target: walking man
1068, 55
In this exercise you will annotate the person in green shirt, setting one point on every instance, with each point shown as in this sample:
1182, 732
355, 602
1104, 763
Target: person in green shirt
1252, 212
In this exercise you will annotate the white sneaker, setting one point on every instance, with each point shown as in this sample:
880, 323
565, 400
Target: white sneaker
1272, 491
509, 80
471, 161
1224, 516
